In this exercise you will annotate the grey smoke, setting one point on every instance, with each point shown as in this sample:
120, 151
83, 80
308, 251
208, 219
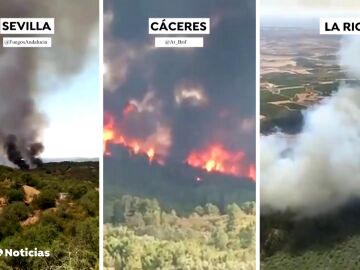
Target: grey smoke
20, 118
223, 71
318, 170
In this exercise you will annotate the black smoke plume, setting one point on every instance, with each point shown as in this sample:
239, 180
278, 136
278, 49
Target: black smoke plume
14, 154
203, 95
26, 73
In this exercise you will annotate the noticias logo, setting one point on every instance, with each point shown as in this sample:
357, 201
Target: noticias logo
24, 252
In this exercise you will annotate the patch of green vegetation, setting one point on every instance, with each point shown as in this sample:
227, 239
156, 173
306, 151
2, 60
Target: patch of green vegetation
290, 93
267, 96
34, 215
328, 57
272, 110
287, 79
142, 235
325, 242
326, 89
306, 62
294, 106
174, 185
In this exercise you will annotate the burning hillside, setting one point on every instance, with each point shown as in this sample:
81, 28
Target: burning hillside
143, 128
214, 158
139, 129
217, 159
194, 107
114, 136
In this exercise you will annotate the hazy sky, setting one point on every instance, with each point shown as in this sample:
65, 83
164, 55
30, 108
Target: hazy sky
310, 8
73, 112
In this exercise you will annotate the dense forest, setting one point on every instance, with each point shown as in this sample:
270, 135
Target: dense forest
142, 235
174, 186
175, 217
54, 208
330, 241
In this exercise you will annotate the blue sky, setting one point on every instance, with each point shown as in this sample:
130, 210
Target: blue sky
74, 121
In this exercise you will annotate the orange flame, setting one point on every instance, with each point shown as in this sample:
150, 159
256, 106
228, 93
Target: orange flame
108, 135
151, 154
113, 135
217, 159
129, 108
214, 158
252, 172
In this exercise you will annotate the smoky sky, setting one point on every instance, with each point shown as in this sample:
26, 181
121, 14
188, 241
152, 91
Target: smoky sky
21, 119
224, 69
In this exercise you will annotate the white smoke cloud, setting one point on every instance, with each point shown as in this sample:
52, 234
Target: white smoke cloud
349, 56
188, 94
317, 170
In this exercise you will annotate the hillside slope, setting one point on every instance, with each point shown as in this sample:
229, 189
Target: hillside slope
176, 186
325, 242
174, 216
53, 209
144, 236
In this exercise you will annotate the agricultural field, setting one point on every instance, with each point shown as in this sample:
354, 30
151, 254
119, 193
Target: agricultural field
294, 75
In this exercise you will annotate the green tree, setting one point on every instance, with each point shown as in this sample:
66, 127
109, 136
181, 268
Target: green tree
77, 191
87, 234
14, 195
220, 239
29, 180
212, 209
16, 211
249, 208
118, 212
46, 199
199, 210
135, 221
8, 227
90, 201
232, 210
246, 236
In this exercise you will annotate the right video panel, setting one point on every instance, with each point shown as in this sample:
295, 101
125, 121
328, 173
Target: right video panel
310, 135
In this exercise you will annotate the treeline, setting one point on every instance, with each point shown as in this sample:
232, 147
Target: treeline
328, 241
174, 185
144, 236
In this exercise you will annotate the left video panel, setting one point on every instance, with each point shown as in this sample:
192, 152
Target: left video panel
49, 134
